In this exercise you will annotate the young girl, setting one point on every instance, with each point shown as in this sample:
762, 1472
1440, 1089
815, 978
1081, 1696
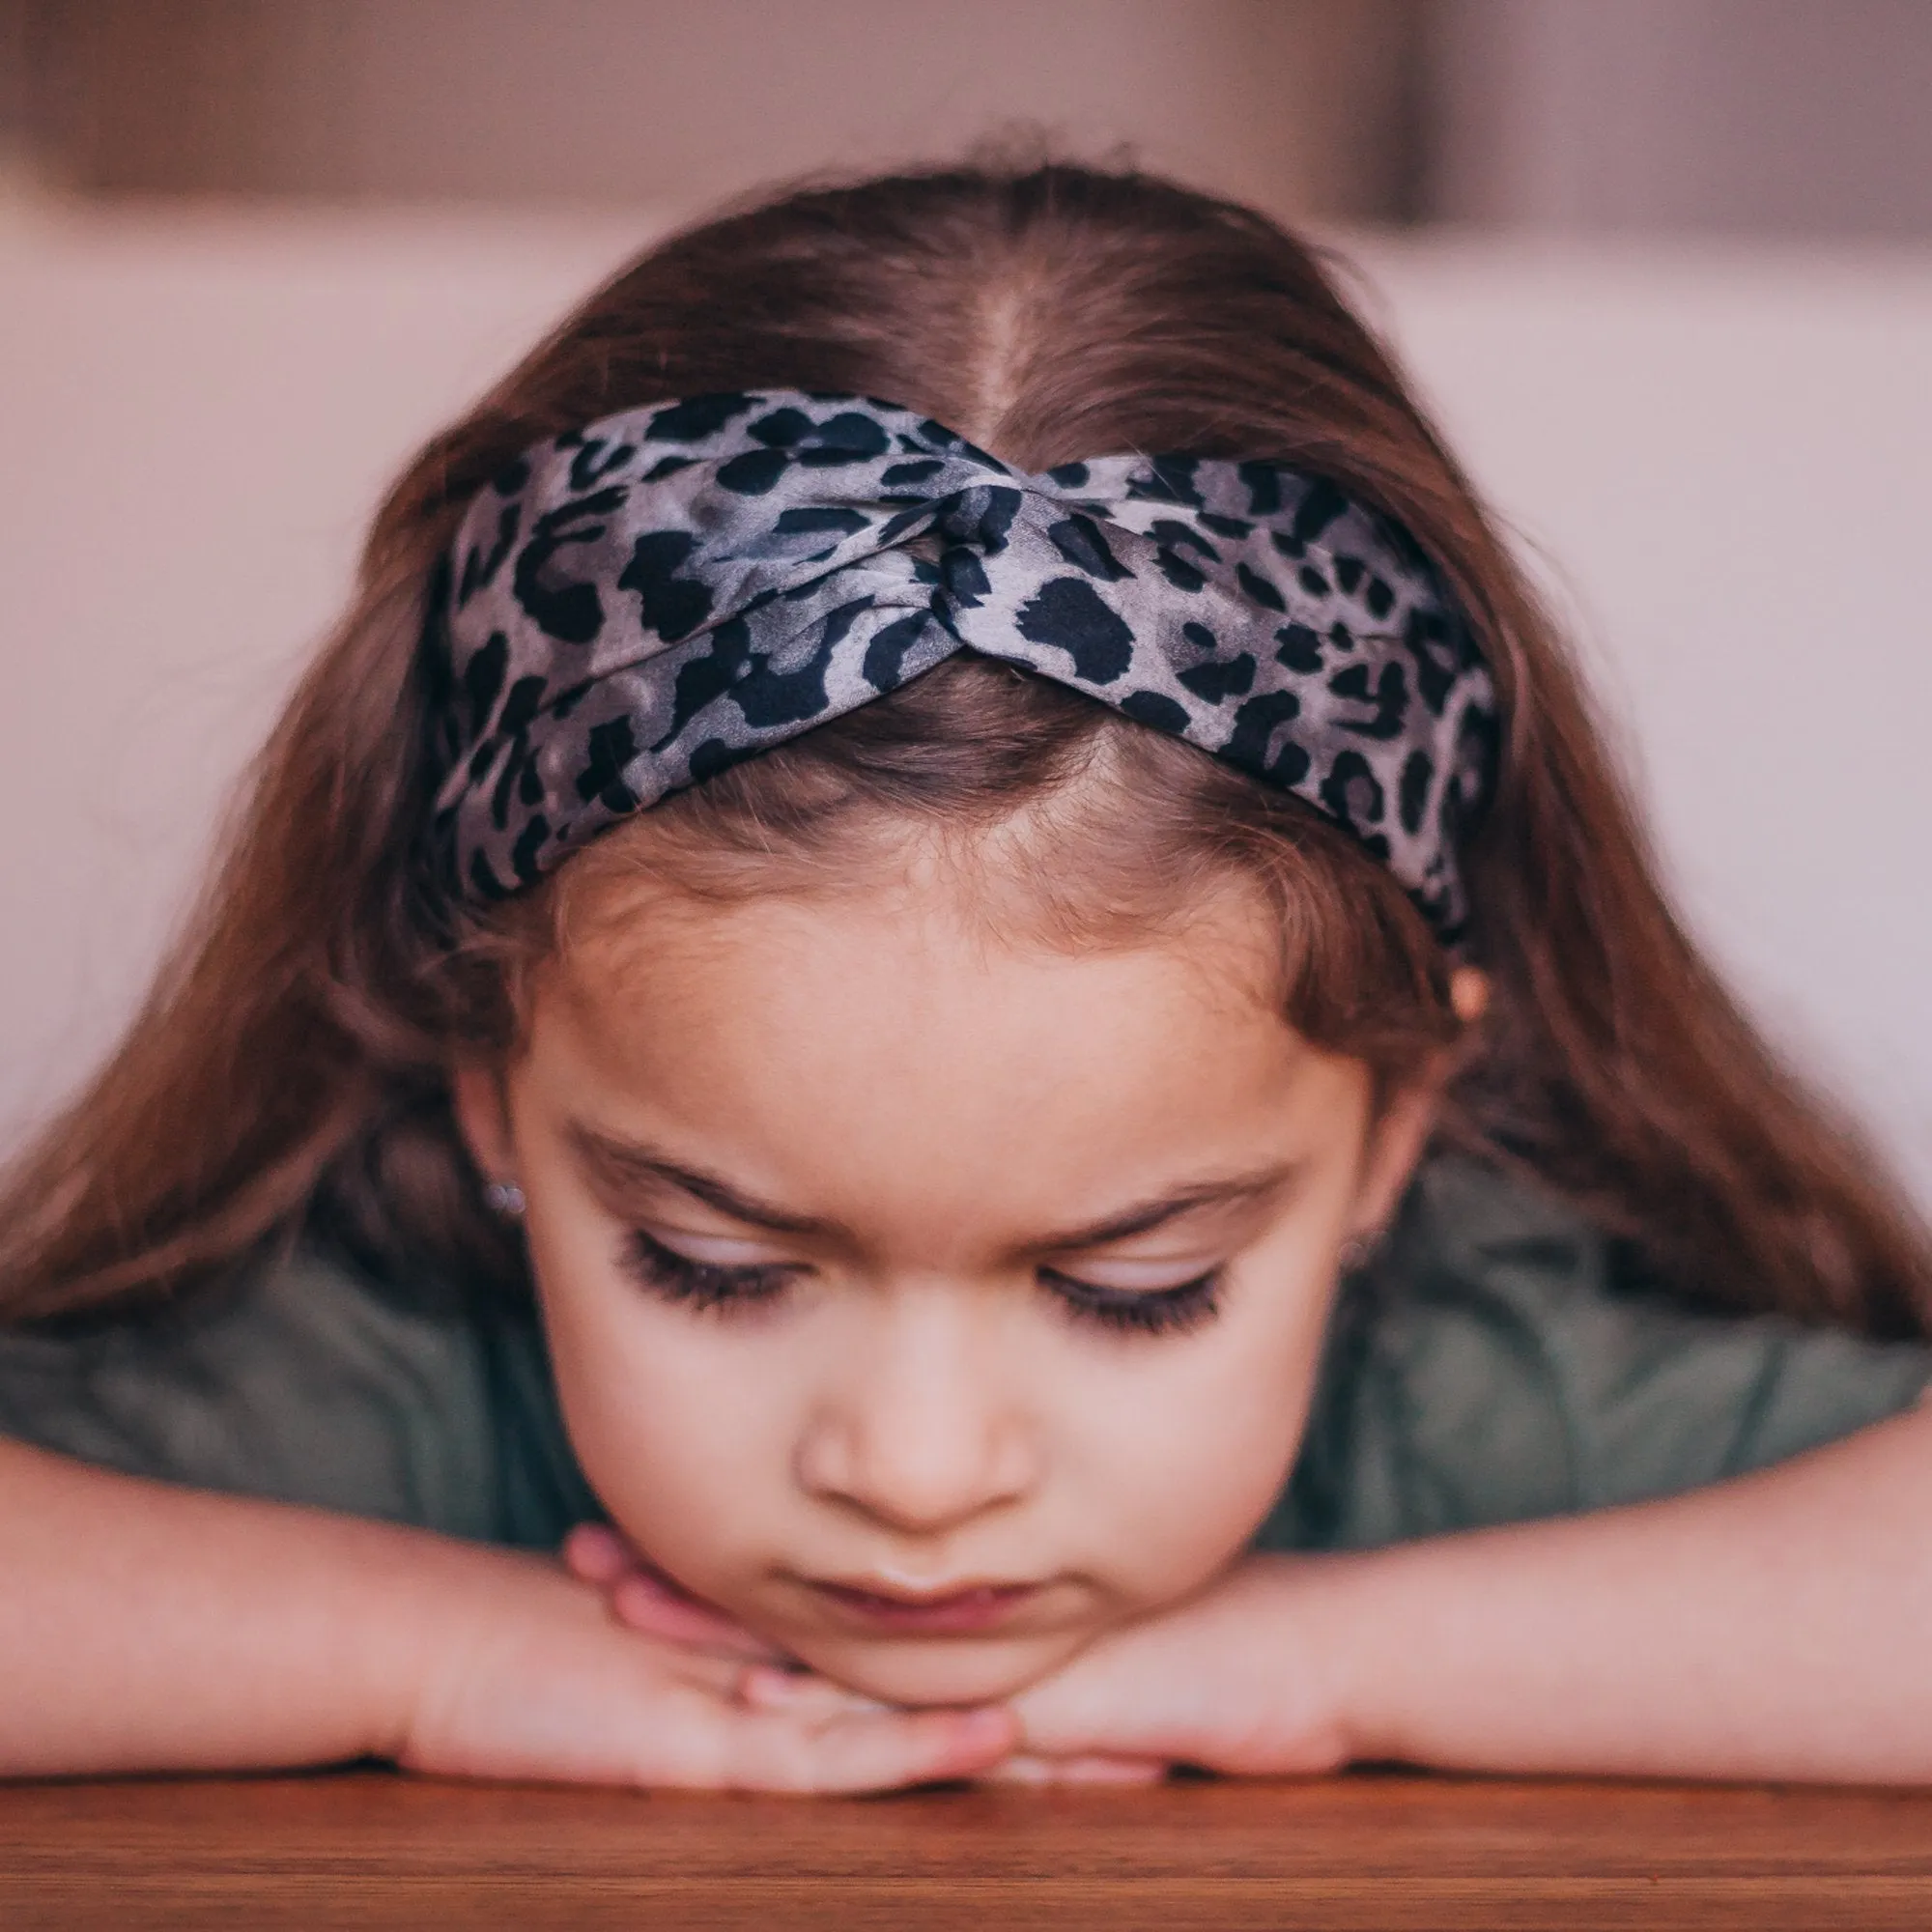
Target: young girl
943, 969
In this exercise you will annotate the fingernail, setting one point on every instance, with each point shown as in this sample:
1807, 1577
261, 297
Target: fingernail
592, 1552
766, 1689
989, 1724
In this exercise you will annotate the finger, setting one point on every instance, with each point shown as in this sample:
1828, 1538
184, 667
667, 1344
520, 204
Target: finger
641, 1601
1091, 1768
801, 1693
719, 1677
597, 1554
866, 1751
646, 1599
1098, 1768
1097, 1707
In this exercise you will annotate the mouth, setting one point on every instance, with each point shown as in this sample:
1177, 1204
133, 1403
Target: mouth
957, 1609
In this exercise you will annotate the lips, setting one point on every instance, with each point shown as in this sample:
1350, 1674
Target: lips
959, 1612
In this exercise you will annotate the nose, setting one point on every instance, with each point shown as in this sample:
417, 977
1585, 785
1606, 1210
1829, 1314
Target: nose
920, 1431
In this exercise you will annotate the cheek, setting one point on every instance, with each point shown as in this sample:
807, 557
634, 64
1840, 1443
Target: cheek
1190, 1460
681, 1431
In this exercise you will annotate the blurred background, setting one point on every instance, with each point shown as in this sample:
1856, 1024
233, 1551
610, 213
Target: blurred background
1663, 269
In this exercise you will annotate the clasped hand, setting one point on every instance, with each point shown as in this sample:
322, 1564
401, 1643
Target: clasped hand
1227, 1681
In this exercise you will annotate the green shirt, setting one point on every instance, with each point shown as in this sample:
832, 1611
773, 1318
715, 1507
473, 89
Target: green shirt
1487, 1368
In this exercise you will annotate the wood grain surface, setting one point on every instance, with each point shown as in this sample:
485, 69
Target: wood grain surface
367, 1849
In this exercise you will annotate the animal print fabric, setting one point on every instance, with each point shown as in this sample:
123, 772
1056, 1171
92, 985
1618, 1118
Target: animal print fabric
637, 604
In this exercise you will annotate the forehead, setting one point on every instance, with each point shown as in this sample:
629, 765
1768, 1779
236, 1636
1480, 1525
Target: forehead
851, 1049
922, 943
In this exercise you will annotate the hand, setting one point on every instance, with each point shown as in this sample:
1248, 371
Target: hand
534, 1678
643, 1599
1175, 1687
646, 1599
1234, 1680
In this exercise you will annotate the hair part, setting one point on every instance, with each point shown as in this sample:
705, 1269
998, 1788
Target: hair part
290, 1071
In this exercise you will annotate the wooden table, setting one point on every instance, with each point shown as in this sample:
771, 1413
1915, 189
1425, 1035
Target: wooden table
366, 1849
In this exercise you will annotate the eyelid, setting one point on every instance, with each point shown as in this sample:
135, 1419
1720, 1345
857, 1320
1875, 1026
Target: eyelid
1135, 1276
1212, 1228
722, 1250
1195, 1241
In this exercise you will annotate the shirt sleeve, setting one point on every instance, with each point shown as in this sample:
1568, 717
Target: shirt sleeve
308, 1385
1494, 1370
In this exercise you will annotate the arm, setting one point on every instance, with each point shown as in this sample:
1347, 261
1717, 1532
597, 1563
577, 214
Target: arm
147, 1627
1775, 1626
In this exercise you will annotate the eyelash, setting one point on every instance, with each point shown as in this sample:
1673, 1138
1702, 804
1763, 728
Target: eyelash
1164, 1311
701, 1285
708, 1285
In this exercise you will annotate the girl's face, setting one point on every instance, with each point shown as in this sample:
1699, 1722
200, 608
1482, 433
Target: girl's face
931, 1301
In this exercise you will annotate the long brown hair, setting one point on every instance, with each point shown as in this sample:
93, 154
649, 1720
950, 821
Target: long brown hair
290, 1067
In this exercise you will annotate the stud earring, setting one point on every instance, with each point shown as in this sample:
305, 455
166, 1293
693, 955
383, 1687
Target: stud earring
1355, 1253
505, 1198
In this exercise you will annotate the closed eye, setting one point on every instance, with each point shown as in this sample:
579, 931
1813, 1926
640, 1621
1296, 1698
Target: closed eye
717, 1287
701, 1284
1139, 1311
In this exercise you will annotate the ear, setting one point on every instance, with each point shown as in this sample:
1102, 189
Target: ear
1469, 994
483, 1119
1395, 1147
1395, 1143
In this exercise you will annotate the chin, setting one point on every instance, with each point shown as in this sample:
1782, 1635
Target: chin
939, 1670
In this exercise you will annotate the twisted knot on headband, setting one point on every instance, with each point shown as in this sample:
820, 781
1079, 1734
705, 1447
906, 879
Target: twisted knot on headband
633, 605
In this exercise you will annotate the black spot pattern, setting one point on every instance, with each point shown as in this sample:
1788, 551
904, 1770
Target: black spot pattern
1220, 679
1066, 613
641, 603
671, 606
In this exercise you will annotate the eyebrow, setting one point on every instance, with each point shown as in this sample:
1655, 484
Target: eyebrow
621, 1164
1148, 1216
630, 1163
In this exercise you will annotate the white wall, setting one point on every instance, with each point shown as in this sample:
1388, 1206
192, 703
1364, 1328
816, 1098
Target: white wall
1296, 104
1767, 117
1722, 460
1727, 460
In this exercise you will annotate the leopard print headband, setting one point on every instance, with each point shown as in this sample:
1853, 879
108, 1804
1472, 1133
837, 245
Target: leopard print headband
633, 605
